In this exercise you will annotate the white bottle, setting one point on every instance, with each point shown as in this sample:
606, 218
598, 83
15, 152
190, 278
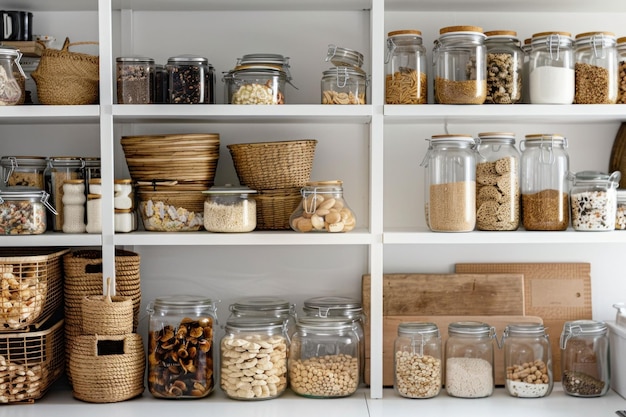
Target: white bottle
73, 206
94, 213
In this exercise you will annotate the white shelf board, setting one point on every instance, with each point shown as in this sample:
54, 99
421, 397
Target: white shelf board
51, 239
43, 114
191, 5
570, 6
50, 5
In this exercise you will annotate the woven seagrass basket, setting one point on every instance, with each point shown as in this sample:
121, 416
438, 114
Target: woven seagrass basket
107, 315
274, 207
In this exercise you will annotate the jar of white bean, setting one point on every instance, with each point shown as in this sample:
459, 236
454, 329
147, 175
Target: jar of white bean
593, 200
229, 209
266, 306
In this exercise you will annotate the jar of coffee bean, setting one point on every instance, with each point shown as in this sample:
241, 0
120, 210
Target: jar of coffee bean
190, 80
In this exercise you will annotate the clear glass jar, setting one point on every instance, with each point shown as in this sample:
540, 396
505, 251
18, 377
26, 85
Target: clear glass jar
323, 209
135, 80
59, 170
585, 358
189, 80
229, 209
406, 81
450, 183
23, 211
344, 57
74, 199
10, 89
261, 59
504, 67
253, 357
620, 213
344, 85
593, 200
526, 49
596, 68
621, 70
262, 306
545, 186
469, 360
417, 360
497, 182
324, 358
25, 171
552, 68
527, 360
255, 84
180, 346
460, 65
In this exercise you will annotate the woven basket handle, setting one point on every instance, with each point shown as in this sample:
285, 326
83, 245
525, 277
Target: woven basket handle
67, 44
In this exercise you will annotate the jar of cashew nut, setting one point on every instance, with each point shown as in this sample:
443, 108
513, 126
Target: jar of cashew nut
255, 84
323, 209
344, 85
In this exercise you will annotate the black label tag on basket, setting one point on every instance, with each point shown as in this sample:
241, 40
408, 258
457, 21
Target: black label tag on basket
110, 347
93, 269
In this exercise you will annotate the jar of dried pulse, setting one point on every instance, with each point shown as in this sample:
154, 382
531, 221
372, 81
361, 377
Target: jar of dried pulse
406, 81
596, 68
593, 200
266, 307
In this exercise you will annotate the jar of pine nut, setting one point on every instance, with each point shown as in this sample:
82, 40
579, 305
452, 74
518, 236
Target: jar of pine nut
596, 68
406, 81
344, 85
621, 70
504, 67
552, 68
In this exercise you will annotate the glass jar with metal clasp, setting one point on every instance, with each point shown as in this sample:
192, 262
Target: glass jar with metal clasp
593, 200
551, 68
11, 92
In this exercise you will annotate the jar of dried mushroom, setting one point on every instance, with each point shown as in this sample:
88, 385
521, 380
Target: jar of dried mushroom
344, 85
405, 81
545, 182
497, 182
417, 360
255, 84
59, 170
135, 80
593, 200
180, 346
552, 68
504, 67
323, 209
26, 171
23, 211
229, 209
585, 358
189, 80
450, 183
460, 66
10, 89
527, 360
596, 68
266, 306
621, 70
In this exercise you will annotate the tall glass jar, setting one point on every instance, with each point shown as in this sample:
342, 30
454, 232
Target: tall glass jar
504, 67
189, 80
545, 186
323, 209
417, 360
135, 80
527, 360
25, 171
497, 182
552, 68
406, 81
266, 306
585, 358
621, 70
450, 183
593, 200
596, 68
460, 67
59, 170
10, 89
344, 85
180, 346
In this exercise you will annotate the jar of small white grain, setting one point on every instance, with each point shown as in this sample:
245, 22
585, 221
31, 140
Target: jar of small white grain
229, 209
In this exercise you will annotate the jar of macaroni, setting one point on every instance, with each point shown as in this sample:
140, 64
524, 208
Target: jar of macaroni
135, 80
596, 68
229, 209
593, 200
189, 80
323, 209
504, 67
551, 68
266, 307
25, 171
406, 81
255, 84
344, 85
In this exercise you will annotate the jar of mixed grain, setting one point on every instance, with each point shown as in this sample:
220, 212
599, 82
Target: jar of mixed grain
266, 307
552, 68
59, 170
255, 84
585, 358
229, 209
460, 65
596, 68
621, 70
450, 183
469, 355
323, 209
620, 215
417, 360
544, 182
10, 89
23, 211
593, 200
344, 85
25, 171
135, 80
406, 81
504, 67
527, 360
189, 80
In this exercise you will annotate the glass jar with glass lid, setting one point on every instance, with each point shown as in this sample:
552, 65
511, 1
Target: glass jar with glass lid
593, 200
266, 306
323, 209
552, 68
504, 67
596, 68
10, 89
255, 84
406, 81
135, 80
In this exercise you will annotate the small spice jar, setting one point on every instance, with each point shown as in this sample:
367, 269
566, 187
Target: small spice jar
23, 211
417, 360
552, 68
180, 346
125, 220
135, 80
585, 358
229, 209
596, 69
10, 89
459, 57
344, 85
123, 194
25, 171
527, 360
406, 81
73, 206
189, 80
469, 359
593, 200
620, 214
545, 186
323, 209
94, 213
504, 67
621, 70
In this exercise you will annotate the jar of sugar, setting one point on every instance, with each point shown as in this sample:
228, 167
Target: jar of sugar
552, 68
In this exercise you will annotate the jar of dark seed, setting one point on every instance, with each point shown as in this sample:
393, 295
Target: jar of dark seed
135, 80
596, 68
593, 200
621, 70
189, 80
406, 81
504, 67
585, 358
545, 182
344, 85
552, 68
460, 66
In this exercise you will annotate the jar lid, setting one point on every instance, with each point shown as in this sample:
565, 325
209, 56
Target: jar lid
474, 328
261, 303
263, 58
183, 301
454, 138
496, 135
333, 306
135, 59
590, 35
94, 196
23, 161
123, 211
196, 59
582, 328
26, 193
407, 32
229, 189
524, 329
263, 70
598, 177
330, 183
10, 51
546, 137
546, 34
345, 72
253, 323
560, 38
501, 34
95, 181
123, 181
74, 181
66, 161
409, 328
621, 40
92, 162
344, 57
324, 323
461, 29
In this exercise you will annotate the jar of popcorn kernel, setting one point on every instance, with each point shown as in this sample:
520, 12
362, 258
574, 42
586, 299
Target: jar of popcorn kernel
344, 85
323, 209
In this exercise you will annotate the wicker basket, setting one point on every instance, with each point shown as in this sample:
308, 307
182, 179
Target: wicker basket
274, 165
171, 211
106, 315
65, 77
274, 207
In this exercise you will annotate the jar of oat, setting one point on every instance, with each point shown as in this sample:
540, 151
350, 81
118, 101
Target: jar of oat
406, 81
417, 360
59, 170
10, 89
255, 84
504, 67
135, 80
460, 67
469, 355
189, 80
229, 209
266, 307
323, 209
23, 211
527, 360
545, 182
450, 183
596, 69
324, 358
497, 182
552, 68
620, 214
621, 70
26, 171
585, 358
254, 358
344, 85
593, 200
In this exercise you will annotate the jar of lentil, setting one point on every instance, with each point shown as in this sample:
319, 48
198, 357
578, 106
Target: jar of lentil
254, 358
417, 360
59, 170
323, 209
621, 70
344, 85
266, 307
504, 67
527, 360
344, 57
180, 346
255, 84
23, 211
460, 66
620, 215
450, 183
10, 88
229, 209
596, 68
593, 200
135, 80
406, 81
585, 358
552, 68
324, 358
189, 80
469, 355
545, 183
25, 171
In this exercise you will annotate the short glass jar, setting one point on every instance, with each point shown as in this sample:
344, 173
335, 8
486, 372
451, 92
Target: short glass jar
229, 209
25, 171
135, 80
344, 85
189, 80
504, 67
621, 70
406, 81
266, 307
593, 200
552, 79
10, 90
620, 214
596, 68
260, 59
23, 211
255, 84
323, 209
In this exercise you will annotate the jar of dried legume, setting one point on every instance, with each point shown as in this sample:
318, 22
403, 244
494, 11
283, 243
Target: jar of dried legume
406, 81
596, 68
255, 84
593, 200
504, 67
23, 211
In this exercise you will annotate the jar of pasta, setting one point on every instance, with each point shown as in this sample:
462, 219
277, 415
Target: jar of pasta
552, 68
504, 67
596, 68
26, 171
344, 85
406, 81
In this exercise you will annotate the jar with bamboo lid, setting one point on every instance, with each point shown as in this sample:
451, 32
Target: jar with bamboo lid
406, 81
596, 68
504, 67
